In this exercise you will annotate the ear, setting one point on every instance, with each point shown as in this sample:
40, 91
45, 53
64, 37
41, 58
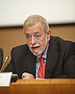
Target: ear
48, 35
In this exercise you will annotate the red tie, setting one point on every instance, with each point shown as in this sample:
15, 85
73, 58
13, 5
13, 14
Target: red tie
41, 71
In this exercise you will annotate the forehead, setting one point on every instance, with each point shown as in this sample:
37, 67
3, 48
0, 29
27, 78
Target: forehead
37, 28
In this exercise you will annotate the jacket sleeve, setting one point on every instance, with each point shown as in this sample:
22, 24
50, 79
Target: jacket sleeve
69, 63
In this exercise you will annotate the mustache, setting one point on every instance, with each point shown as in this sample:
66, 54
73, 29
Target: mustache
34, 45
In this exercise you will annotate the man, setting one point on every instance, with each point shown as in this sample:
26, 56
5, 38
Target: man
58, 56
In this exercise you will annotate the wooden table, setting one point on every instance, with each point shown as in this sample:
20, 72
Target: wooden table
46, 86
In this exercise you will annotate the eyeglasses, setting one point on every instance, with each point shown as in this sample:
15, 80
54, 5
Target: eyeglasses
29, 37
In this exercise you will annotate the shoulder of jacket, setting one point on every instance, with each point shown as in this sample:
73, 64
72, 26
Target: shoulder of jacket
61, 43
20, 48
61, 40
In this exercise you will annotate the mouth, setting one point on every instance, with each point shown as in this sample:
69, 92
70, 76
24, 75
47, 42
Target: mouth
35, 48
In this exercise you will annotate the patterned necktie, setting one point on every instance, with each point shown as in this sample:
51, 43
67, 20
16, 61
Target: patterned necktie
41, 71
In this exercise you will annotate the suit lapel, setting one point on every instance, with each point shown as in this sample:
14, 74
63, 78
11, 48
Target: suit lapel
51, 58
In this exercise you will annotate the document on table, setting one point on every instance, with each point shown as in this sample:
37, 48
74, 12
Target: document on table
5, 79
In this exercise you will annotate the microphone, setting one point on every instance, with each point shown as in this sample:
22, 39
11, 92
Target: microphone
14, 77
7, 57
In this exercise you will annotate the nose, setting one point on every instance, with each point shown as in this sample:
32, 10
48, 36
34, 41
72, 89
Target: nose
33, 40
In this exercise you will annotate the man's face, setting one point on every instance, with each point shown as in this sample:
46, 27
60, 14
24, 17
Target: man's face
36, 39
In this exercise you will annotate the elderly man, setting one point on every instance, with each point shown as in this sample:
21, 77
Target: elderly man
44, 56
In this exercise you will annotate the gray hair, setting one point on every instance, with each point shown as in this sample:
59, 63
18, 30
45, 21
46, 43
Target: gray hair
34, 19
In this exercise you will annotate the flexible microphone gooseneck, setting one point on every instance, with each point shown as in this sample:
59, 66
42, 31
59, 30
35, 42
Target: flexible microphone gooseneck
7, 57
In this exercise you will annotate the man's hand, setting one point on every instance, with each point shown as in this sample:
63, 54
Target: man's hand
26, 75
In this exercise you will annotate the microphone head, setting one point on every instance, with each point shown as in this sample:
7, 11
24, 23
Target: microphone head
7, 57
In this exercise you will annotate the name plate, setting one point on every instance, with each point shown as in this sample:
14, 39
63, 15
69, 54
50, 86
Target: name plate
5, 79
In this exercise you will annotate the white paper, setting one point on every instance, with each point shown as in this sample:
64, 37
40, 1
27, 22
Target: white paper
5, 79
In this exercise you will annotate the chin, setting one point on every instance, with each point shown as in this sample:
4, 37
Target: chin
37, 54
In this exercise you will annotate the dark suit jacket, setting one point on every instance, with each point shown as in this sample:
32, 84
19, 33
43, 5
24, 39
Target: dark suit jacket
60, 59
